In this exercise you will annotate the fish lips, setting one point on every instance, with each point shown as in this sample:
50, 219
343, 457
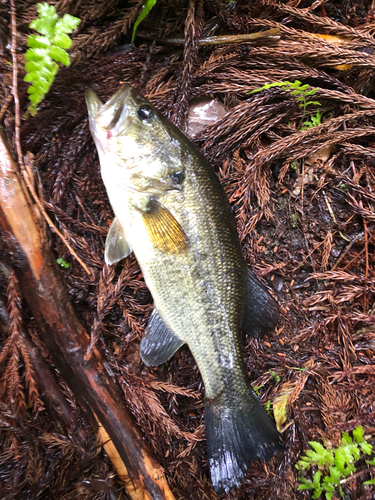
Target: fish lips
114, 114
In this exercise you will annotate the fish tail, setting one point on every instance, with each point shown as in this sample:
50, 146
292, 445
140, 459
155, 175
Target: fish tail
236, 437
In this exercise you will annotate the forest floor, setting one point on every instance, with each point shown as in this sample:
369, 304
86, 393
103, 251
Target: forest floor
303, 197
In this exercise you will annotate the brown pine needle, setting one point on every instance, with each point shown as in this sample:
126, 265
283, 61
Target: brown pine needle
28, 178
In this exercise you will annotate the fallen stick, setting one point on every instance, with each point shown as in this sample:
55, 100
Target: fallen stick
59, 328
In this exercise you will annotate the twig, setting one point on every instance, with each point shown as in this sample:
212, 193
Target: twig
273, 34
4, 107
15, 82
354, 476
366, 246
366, 253
353, 260
329, 208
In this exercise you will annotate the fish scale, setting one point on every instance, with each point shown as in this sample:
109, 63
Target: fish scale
173, 214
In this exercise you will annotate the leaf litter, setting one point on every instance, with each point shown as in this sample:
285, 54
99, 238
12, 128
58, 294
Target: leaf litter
314, 246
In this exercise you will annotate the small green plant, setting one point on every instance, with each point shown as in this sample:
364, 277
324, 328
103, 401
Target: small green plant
144, 12
46, 50
294, 220
295, 164
267, 407
275, 376
268, 403
333, 465
61, 262
314, 121
256, 389
302, 94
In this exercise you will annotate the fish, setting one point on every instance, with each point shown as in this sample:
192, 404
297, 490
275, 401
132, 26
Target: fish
171, 211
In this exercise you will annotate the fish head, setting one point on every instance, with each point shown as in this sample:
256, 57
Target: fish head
138, 148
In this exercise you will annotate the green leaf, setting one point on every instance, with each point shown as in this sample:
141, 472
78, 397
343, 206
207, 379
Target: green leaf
256, 388
316, 479
31, 67
371, 481
303, 464
355, 451
305, 487
36, 54
329, 495
346, 439
267, 407
366, 448
67, 24
310, 92
322, 455
306, 484
312, 102
59, 55
62, 41
43, 85
145, 10
334, 476
371, 462
358, 434
62, 262
317, 493
269, 86
299, 93
38, 42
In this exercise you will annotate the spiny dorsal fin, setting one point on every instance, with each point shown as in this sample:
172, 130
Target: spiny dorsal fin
163, 229
262, 311
116, 246
158, 343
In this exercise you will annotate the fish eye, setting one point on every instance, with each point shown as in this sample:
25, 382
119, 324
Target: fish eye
145, 112
178, 177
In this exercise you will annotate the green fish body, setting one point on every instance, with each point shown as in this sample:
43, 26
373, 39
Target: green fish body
172, 213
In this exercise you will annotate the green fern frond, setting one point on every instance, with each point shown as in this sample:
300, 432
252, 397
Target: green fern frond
46, 50
333, 465
301, 93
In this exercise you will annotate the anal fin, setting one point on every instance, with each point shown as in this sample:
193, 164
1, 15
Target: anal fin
158, 343
262, 311
116, 246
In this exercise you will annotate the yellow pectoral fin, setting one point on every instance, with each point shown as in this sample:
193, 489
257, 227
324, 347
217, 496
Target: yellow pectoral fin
165, 232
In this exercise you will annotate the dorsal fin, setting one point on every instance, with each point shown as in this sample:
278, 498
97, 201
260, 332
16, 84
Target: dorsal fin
262, 311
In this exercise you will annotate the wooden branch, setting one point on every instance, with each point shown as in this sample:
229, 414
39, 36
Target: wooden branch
90, 380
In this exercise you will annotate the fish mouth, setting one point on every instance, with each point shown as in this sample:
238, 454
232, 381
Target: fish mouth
113, 112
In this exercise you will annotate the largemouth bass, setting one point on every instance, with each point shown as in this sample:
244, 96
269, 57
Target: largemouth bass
173, 214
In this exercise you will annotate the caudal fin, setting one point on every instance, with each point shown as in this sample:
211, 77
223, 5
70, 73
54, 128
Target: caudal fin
235, 438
